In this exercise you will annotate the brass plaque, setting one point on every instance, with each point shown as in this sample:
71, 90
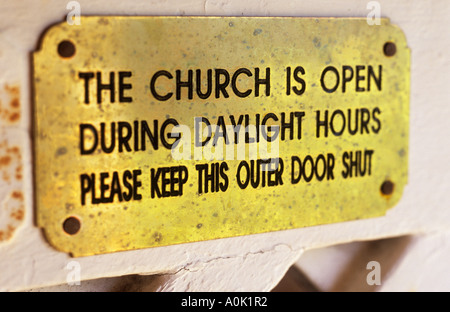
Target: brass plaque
153, 131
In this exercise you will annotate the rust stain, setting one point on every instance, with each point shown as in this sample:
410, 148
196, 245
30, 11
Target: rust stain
10, 114
17, 195
12, 206
12, 214
18, 214
14, 117
14, 90
15, 103
7, 234
5, 160
6, 177
9, 231
14, 150
10, 162
18, 175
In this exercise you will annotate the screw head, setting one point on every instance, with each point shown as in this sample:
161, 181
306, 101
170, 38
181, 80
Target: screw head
389, 49
66, 49
71, 225
387, 187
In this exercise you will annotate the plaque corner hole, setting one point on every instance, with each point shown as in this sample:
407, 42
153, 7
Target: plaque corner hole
66, 49
72, 225
389, 48
387, 187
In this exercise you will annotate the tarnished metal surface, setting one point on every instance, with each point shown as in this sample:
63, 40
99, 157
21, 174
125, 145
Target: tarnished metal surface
109, 91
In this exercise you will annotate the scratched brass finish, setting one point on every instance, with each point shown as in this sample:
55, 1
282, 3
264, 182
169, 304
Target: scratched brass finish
146, 45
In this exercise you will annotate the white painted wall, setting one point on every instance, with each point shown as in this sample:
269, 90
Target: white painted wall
250, 263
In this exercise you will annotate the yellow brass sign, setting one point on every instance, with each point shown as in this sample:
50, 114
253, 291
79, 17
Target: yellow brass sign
153, 131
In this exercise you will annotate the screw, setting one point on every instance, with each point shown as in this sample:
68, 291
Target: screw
66, 49
387, 188
71, 225
389, 49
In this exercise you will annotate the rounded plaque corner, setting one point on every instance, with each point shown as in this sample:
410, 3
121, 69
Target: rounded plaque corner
46, 33
401, 39
56, 244
393, 194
